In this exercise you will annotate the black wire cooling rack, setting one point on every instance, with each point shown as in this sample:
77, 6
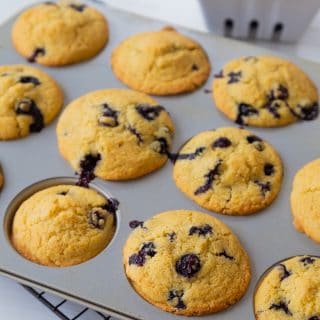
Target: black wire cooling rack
64, 309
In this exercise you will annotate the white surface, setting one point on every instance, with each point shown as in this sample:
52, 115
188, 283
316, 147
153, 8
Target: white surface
15, 302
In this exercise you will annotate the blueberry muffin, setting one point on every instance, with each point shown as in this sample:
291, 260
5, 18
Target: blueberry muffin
60, 33
229, 170
114, 134
29, 100
305, 200
186, 262
290, 290
162, 62
63, 225
265, 91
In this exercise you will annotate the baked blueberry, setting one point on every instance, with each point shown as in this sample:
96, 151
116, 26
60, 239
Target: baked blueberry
188, 265
273, 107
147, 249
137, 258
285, 273
307, 113
219, 75
200, 230
307, 260
177, 294
135, 224
252, 139
225, 255
245, 110
256, 141
63, 193
172, 236
109, 116
87, 167
28, 107
264, 187
187, 156
210, 177
281, 306
77, 7
234, 77
136, 133
30, 79
149, 112
222, 142
112, 205
97, 217
194, 67
268, 169
37, 53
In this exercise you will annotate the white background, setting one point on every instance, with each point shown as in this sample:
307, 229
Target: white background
15, 302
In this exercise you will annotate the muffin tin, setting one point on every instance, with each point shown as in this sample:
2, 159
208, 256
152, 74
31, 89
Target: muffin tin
101, 283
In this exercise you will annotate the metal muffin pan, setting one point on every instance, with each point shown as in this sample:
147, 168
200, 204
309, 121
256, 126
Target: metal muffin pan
101, 283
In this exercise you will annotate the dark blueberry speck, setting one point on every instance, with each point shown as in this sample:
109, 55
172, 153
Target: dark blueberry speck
201, 230
136, 133
110, 114
256, 141
264, 187
164, 147
36, 53
252, 139
195, 67
149, 112
307, 260
273, 107
137, 258
62, 193
180, 305
112, 205
285, 272
207, 91
283, 93
314, 318
188, 265
96, 218
281, 306
30, 79
135, 224
87, 165
222, 143
219, 75
172, 236
186, 156
268, 169
177, 294
77, 7
225, 255
234, 77
308, 113
28, 107
210, 177
147, 249
245, 110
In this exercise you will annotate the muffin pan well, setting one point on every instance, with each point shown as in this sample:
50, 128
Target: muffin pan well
100, 282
